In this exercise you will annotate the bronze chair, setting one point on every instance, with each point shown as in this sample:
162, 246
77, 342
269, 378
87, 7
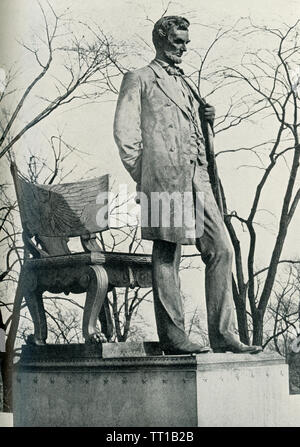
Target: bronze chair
50, 215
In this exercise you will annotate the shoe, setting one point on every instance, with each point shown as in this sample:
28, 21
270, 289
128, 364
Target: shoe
33, 340
240, 348
186, 348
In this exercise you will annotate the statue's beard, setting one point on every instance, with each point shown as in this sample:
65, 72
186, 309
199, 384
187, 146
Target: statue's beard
172, 57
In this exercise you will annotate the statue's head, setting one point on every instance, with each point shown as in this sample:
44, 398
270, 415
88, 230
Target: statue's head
170, 36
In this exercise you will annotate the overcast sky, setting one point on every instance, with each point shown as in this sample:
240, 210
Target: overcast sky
90, 127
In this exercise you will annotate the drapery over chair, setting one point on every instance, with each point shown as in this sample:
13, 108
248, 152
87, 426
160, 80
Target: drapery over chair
50, 215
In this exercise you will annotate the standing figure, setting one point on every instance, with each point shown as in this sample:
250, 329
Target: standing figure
159, 130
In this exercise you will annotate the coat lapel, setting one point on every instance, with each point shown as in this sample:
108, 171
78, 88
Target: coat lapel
166, 85
201, 101
194, 90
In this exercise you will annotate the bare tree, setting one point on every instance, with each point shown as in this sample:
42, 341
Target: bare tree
73, 61
270, 92
270, 78
13, 248
282, 316
64, 321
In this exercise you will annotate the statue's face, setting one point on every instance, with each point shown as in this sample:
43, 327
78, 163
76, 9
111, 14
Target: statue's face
175, 45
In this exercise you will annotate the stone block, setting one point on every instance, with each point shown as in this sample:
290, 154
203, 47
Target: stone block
6, 419
73, 385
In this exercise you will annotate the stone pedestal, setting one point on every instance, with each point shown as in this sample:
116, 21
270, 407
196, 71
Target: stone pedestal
84, 386
6, 419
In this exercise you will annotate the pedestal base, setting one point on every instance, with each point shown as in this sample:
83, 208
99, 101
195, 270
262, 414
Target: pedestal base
74, 386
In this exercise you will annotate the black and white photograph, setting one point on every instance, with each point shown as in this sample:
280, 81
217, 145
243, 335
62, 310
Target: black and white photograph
149, 216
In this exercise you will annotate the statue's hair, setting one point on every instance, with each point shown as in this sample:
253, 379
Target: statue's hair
164, 24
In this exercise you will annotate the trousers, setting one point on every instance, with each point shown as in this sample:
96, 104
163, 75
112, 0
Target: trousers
216, 253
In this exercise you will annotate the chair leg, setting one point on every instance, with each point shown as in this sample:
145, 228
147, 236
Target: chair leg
95, 297
34, 301
105, 319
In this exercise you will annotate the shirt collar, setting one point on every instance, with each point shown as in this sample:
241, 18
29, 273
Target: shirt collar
166, 66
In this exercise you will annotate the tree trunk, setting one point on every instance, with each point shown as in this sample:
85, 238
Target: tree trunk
7, 362
242, 324
6, 372
240, 307
258, 319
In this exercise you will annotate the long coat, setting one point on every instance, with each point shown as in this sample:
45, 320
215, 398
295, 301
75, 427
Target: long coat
153, 132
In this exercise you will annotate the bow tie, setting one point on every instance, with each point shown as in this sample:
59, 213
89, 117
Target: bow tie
174, 70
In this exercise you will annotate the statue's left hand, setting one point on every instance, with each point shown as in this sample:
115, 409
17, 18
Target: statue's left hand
209, 112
